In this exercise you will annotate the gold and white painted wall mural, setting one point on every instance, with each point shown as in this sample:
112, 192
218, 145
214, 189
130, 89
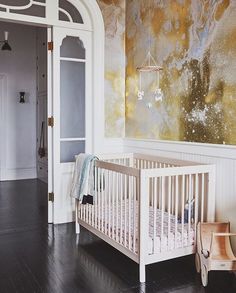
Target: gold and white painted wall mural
195, 43
114, 17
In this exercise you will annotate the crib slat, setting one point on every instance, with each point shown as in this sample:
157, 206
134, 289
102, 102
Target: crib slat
84, 212
93, 205
125, 212
159, 193
196, 202
113, 204
87, 212
173, 195
121, 207
189, 207
162, 208
151, 204
78, 210
90, 214
130, 195
169, 206
106, 201
155, 215
117, 211
99, 198
135, 220
109, 203
202, 197
182, 208
81, 212
176, 207
102, 199
95, 198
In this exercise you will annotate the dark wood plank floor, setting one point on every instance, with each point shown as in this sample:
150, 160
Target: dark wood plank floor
36, 257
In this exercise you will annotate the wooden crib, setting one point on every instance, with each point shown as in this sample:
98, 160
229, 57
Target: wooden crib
148, 207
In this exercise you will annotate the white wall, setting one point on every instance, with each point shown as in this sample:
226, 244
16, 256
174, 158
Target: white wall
19, 68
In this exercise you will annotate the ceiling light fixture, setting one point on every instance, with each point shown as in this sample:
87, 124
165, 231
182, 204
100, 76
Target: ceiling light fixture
6, 46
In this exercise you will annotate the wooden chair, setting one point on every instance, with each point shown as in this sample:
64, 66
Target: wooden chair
214, 251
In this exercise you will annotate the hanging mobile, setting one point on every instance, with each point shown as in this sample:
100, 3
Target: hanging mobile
150, 66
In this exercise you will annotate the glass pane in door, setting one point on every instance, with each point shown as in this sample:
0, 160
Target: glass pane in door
72, 99
72, 47
69, 149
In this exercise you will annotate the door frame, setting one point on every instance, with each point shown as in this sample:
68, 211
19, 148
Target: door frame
93, 22
50, 129
3, 93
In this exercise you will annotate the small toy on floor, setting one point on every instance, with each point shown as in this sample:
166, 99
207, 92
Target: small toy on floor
214, 250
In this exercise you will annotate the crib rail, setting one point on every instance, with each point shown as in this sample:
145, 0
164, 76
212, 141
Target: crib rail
145, 161
124, 159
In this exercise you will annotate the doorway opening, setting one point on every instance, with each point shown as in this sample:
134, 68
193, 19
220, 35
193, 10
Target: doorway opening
23, 108
75, 81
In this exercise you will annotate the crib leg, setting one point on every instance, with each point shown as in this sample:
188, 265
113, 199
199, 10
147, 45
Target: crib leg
77, 227
142, 273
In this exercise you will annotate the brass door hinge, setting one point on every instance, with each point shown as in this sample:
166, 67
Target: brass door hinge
51, 121
50, 46
51, 196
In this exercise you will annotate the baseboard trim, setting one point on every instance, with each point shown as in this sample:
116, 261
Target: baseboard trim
20, 174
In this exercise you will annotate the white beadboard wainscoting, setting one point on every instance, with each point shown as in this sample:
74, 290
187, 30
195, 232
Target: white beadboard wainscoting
224, 157
113, 145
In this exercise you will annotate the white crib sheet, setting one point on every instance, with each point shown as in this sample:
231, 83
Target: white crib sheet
167, 237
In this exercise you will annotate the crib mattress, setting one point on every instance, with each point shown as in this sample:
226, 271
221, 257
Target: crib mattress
121, 226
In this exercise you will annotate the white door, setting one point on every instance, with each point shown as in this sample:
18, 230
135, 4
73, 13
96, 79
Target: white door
72, 111
50, 129
3, 95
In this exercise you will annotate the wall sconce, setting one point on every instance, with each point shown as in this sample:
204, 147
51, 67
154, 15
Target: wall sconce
5, 46
22, 97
